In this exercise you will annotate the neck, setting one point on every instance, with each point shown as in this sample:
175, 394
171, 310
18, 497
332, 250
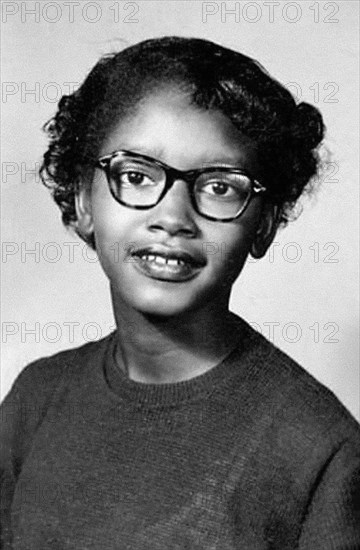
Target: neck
162, 350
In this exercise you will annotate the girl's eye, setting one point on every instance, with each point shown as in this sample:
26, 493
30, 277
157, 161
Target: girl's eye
220, 189
131, 178
229, 186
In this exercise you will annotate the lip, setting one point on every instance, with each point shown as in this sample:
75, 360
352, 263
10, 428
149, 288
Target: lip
188, 265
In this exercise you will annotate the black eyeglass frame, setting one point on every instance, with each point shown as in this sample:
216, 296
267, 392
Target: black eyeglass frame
172, 174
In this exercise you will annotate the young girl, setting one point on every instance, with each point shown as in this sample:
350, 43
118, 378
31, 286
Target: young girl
184, 428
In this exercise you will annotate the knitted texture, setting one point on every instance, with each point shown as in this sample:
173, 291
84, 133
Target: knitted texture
254, 454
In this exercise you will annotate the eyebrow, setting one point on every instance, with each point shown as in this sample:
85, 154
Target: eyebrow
159, 154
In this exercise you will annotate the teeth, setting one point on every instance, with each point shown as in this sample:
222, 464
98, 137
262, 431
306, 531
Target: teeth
173, 262
161, 260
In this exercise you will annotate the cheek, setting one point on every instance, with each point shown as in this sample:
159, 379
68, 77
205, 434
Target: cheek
108, 215
234, 241
108, 226
233, 255
106, 229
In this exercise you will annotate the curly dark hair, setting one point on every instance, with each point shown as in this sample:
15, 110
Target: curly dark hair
287, 135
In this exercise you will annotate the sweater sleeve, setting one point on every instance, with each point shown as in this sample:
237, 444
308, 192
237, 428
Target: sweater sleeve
9, 427
333, 518
20, 415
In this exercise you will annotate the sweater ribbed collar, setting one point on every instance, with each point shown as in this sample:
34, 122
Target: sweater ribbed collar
237, 363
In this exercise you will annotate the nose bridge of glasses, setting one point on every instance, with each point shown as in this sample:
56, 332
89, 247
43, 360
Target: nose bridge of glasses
177, 196
173, 176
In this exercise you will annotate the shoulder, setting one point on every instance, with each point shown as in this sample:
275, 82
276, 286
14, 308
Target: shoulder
292, 401
40, 378
33, 392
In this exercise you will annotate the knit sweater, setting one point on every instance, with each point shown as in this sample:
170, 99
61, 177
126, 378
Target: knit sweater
254, 454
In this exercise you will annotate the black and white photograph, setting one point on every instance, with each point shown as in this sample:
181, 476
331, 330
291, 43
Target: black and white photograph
180, 275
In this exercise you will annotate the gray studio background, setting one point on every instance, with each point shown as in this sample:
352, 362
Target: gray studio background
303, 295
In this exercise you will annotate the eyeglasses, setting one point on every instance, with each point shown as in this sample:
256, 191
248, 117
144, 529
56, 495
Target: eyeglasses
141, 182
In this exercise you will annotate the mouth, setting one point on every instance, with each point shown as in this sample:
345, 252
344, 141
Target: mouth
167, 264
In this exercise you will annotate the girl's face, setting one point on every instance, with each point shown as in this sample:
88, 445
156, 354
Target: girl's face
166, 127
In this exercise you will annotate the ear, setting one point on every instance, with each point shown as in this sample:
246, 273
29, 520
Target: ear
266, 230
84, 225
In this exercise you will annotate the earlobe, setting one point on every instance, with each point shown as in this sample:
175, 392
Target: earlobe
266, 231
84, 225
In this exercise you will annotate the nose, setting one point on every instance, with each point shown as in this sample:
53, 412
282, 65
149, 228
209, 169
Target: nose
174, 214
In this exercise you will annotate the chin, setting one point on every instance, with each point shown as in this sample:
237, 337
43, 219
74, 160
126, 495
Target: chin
163, 302
162, 309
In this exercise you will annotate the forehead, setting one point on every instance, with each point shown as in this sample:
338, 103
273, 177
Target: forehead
166, 126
